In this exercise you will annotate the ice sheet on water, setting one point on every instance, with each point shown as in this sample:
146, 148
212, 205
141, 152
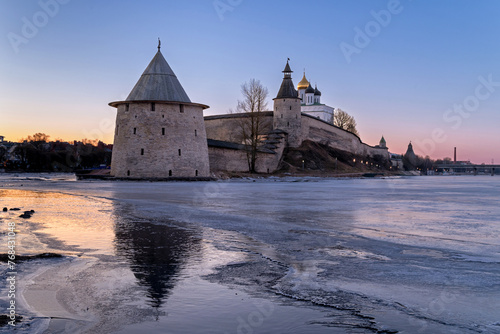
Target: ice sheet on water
408, 254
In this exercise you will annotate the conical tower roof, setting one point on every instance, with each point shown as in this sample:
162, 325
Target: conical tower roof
158, 83
287, 88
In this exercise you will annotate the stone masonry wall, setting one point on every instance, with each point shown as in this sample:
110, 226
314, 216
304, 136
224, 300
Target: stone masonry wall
319, 131
228, 127
225, 128
167, 142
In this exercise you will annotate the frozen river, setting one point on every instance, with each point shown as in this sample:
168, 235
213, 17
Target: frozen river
296, 255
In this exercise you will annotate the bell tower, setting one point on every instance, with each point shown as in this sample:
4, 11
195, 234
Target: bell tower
286, 112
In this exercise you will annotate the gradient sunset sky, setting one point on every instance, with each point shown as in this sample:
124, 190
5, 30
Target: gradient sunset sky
420, 71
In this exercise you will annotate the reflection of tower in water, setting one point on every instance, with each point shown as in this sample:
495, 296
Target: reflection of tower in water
157, 253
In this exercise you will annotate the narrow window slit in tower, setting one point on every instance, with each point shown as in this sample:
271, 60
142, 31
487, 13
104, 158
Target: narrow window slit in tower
128, 173
162, 131
290, 107
196, 173
179, 152
135, 131
287, 123
181, 107
126, 106
195, 133
170, 173
153, 106
142, 151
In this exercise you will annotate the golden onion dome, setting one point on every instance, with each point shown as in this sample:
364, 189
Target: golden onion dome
303, 84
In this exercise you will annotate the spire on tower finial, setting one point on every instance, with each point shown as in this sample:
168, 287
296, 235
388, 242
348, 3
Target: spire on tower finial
159, 44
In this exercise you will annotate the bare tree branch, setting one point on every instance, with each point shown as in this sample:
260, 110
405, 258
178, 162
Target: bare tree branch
253, 104
345, 121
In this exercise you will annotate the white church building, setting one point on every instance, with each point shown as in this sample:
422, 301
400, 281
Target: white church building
311, 101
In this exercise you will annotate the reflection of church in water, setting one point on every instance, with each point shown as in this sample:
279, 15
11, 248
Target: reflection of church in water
157, 254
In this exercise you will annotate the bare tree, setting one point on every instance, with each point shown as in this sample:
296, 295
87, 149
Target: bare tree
39, 137
252, 126
345, 121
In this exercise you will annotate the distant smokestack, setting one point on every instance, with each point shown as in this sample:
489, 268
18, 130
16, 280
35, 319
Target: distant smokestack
455, 156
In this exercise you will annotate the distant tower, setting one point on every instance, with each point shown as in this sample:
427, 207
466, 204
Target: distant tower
410, 161
286, 113
382, 143
301, 87
159, 132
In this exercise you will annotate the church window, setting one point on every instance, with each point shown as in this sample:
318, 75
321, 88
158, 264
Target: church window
181, 107
163, 131
142, 151
153, 106
135, 131
170, 173
128, 173
126, 106
196, 173
179, 152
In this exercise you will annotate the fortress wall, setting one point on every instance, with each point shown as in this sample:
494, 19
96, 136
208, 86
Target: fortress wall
235, 160
374, 152
152, 153
228, 127
319, 131
223, 159
268, 163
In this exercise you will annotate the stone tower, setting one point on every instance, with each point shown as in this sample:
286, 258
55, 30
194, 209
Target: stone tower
383, 143
286, 113
159, 132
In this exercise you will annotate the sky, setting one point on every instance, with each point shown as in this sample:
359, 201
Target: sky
411, 70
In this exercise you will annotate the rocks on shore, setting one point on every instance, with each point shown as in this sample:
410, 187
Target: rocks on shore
19, 258
27, 214
5, 319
